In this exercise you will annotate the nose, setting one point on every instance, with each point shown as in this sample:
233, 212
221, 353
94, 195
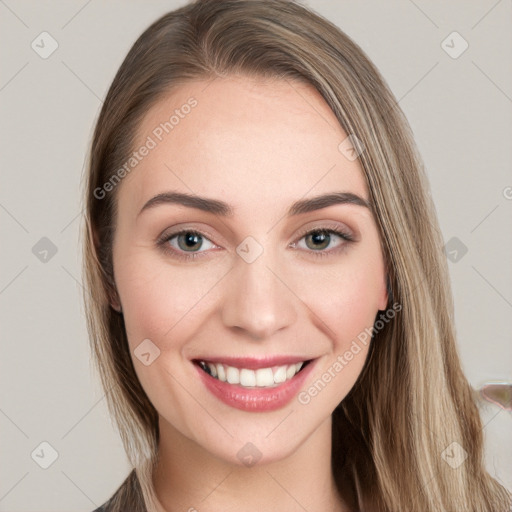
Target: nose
258, 301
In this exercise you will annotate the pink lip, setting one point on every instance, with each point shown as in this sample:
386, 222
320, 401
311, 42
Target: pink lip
257, 399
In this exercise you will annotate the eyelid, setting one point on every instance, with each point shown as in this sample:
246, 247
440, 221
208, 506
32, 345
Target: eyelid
342, 229
182, 228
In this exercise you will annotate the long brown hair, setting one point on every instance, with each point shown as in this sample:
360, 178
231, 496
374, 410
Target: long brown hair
411, 401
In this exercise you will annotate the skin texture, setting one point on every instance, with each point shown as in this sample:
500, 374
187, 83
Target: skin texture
259, 146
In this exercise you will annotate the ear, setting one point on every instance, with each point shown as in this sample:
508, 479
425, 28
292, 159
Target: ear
116, 306
385, 294
114, 300
113, 296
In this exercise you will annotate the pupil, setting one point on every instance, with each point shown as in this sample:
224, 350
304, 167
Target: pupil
192, 241
320, 237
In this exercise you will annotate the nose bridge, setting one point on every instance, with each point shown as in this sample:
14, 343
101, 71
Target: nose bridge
256, 300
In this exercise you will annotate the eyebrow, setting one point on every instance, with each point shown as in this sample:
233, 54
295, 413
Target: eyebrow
218, 207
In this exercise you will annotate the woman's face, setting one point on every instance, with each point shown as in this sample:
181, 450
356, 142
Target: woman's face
220, 317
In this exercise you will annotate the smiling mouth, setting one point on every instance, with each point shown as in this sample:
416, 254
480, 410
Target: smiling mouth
270, 377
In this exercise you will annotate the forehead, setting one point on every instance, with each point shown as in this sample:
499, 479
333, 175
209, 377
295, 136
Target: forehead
242, 140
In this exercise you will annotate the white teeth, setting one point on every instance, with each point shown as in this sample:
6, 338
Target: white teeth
262, 377
280, 375
221, 373
233, 375
290, 371
213, 369
247, 377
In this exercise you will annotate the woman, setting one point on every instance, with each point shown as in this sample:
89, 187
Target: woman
269, 306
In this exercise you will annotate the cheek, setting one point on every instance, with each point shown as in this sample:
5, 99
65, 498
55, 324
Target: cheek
159, 300
345, 296
165, 304
345, 300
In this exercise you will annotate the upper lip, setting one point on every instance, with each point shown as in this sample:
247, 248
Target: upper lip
254, 363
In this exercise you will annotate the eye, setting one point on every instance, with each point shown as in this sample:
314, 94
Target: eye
189, 244
186, 241
319, 239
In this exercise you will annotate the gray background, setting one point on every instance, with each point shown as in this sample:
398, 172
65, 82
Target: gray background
459, 109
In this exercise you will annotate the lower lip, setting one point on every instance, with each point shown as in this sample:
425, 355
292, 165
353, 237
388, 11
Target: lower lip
257, 399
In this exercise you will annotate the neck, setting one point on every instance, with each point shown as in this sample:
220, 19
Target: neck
187, 477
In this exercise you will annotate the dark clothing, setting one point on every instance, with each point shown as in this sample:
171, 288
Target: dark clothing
128, 497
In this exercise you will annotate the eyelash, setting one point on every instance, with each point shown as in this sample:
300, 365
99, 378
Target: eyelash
162, 242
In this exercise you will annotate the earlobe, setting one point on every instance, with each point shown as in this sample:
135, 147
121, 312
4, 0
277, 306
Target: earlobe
113, 297
114, 301
386, 296
115, 304
116, 307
